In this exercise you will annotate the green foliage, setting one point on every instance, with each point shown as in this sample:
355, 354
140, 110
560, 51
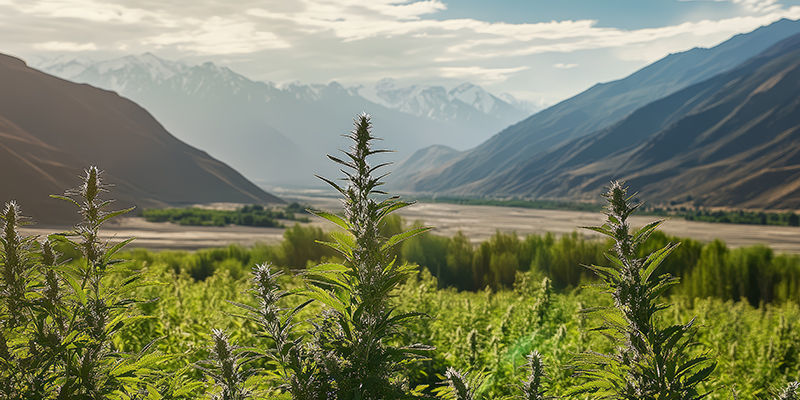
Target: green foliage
350, 352
792, 392
225, 367
533, 387
61, 321
754, 273
521, 203
729, 216
649, 362
301, 246
252, 215
73, 325
359, 323
459, 386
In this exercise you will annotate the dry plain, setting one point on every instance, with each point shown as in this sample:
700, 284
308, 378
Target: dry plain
477, 222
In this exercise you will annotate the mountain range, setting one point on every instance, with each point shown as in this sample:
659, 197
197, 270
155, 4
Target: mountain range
279, 135
571, 149
52, 129
732, 140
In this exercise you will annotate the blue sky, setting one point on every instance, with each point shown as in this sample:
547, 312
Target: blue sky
539, 50
626, 14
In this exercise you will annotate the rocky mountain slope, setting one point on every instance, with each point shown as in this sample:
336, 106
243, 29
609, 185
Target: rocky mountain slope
590, 111
732, 140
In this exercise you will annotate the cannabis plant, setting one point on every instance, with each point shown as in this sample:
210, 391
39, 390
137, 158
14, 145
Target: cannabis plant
359, 331
791, 392
533, 387
226, 368
59, 319
650, 361
296, 363
23, 371
354, 349
462, 386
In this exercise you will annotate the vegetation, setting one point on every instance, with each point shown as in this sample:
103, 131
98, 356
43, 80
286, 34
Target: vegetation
61, 322
754, 274
787, 218
252, 215
730, 216
649, 361
367, 323
515, 202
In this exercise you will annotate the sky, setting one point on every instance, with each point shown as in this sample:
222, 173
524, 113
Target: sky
541, 51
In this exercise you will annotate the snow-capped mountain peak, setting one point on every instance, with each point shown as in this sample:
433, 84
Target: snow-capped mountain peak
476, 97
436, 102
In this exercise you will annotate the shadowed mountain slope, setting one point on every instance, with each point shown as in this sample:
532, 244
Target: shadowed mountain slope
51, 129
594, 109
260, 128
732, 140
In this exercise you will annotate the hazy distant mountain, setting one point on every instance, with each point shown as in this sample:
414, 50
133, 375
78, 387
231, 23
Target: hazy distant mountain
466, 102
52, 129
731, 140
422, 161
591, 110
279, 135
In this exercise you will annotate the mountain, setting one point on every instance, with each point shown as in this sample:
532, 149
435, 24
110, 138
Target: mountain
592, 110
421, 161
279, 135
465, 102
731, 140
52, 129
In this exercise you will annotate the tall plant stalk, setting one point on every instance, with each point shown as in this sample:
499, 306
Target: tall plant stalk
650, 361
355, 349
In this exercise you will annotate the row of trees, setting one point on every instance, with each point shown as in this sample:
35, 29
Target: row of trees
754, 274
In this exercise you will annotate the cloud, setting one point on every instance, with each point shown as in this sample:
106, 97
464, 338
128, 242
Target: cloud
355, 41
219, 36
480, 74
759, 6
564, 66
64, 46
88, 10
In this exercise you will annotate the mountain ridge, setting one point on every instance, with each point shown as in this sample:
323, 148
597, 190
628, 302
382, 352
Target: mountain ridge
592, 110
269, 133
731, 140
53, 129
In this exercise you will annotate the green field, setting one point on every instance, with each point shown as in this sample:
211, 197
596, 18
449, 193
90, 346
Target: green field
485, 325
487, 331
252, 215
379, 309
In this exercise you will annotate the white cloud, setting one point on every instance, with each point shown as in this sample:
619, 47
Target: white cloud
564, 66
356, 40
64, 46
480, 74
758, 5
219, 36
89, 10
749, 5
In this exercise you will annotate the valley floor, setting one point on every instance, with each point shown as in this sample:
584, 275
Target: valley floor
476, 222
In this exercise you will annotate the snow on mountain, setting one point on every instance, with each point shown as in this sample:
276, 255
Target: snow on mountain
439, 103
275, 134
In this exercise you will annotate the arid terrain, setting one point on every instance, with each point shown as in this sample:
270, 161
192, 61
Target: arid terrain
477, 222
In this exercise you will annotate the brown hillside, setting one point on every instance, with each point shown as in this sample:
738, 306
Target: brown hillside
51, 129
